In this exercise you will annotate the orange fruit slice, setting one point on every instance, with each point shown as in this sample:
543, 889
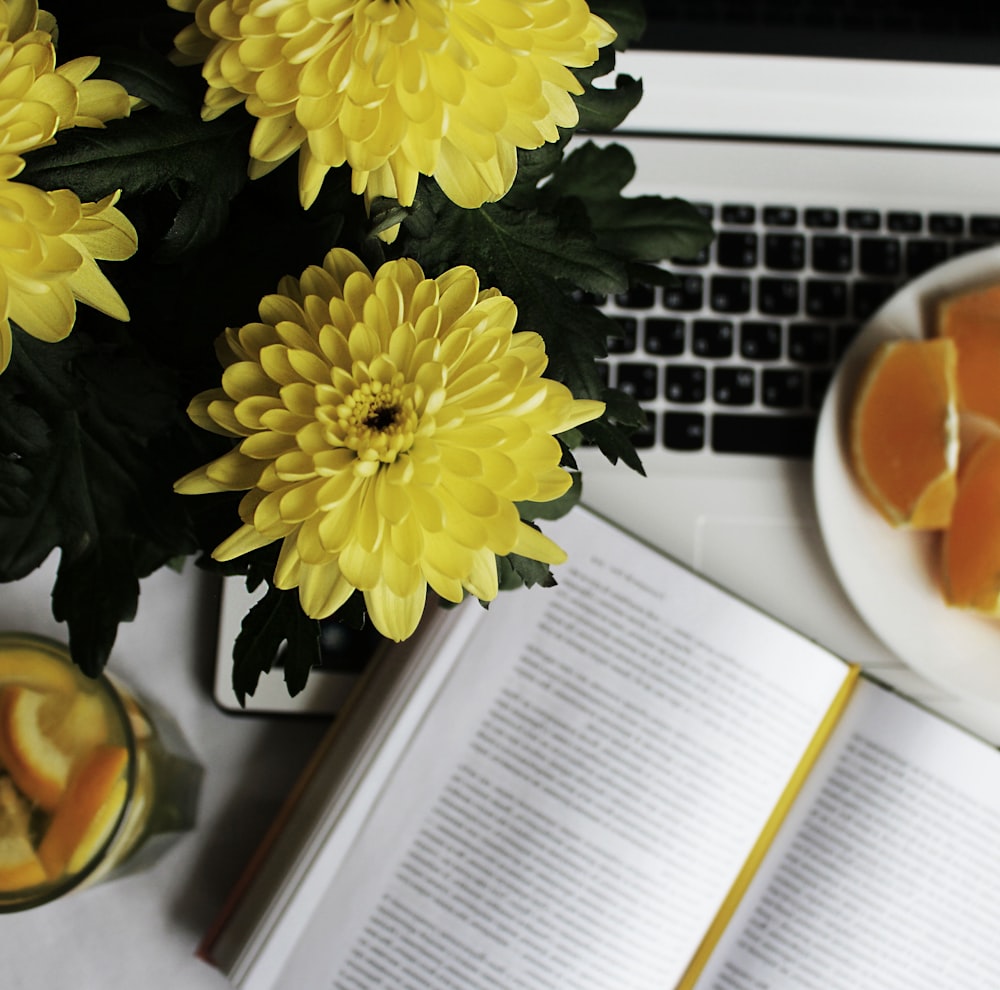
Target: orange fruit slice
88, 812
38, 766
972, 320
20, 867
904, 431
971, 546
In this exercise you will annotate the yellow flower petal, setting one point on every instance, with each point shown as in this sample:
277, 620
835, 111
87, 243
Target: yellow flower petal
6, 343
322, 589
395, 618
244, 540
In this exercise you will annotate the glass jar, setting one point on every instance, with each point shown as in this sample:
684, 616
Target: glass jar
93, 781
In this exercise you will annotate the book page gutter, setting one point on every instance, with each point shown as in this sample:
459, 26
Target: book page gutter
885, 875
583, 792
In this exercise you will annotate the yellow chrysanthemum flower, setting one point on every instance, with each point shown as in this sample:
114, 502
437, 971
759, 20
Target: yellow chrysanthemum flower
446, 88
387, 426
37, 98
48, 245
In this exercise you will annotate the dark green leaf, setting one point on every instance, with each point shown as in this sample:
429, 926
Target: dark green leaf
93, 593
274, 621
147, 74
643, 228
15, 484
301, 652
154, 152
614, 443
507, 578
603, 110
555, 509
532, 573
95, 483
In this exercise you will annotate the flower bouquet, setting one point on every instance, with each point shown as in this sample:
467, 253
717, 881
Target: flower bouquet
305, 290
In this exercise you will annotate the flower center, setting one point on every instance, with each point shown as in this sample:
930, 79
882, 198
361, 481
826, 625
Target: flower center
378, 420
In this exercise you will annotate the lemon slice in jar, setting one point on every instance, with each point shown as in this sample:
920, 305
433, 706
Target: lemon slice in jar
20, 866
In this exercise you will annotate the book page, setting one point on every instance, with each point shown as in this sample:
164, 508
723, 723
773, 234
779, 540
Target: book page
583, 791
886, 876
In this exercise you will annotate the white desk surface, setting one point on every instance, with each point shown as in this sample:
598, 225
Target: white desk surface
142, 931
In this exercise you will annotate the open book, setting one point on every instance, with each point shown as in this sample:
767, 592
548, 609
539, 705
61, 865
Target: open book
632, 781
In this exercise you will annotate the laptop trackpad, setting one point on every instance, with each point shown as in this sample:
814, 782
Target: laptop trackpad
780, 565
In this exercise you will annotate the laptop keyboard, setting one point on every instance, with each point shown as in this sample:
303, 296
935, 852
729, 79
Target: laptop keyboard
736, 358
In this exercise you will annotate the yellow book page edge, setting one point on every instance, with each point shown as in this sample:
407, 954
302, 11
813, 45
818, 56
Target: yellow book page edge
770, 830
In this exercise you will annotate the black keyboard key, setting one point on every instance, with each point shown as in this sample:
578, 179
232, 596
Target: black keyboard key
923, 254
985, 226
880, 256
729, 294
810, 343
777, 436
867, 297
760, 340
686, 295
782, 388
778, 296
904, 222
638, 380
664, 335
736, 249
701, 258
780, 216
832, 254
686, 383
738, 213
822, 217
951, 224
843, 337
784, 252
712, 338
637, 297
646, 436
819, 382
625, 342
683, 431
863, 220
733, 386
826, 298
965, 246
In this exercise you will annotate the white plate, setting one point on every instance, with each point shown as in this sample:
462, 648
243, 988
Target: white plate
889, 574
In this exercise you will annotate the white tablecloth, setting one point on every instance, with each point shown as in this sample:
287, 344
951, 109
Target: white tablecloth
142, 931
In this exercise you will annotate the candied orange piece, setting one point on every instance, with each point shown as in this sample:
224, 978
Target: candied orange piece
904, 432
972, 320
38, 766
88, 811
971, 546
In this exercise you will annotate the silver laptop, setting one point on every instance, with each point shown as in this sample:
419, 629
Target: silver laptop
839, 155
844, 161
